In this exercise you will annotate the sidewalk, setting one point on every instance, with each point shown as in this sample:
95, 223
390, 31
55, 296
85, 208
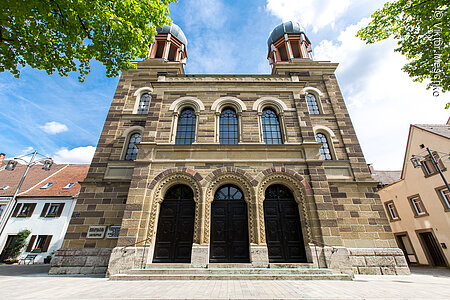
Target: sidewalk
31, 282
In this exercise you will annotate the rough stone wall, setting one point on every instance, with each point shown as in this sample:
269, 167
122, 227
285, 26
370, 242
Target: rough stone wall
378, 261
80, 261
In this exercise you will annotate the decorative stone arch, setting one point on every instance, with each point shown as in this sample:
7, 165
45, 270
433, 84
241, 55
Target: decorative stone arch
331, 138
276, 103
160, 185
138, 93
300, 190
182, 102
317, 94
279, 106
236, 103
126, 135
241, 179
177, 107
218, 105
312, 90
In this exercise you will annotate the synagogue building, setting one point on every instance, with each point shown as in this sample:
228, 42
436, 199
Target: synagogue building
240, 171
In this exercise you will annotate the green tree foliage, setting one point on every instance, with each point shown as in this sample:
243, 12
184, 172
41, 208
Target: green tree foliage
65, 35
19, 243
421, 28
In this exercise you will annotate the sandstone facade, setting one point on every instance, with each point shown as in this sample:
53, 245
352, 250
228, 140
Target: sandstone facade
340, 212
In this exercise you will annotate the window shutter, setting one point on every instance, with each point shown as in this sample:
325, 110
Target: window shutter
47, 243
33, 206
44, 210
17, 209
61, 207
30, 243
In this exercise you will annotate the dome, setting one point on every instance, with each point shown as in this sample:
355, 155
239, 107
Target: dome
175, 31
289, 27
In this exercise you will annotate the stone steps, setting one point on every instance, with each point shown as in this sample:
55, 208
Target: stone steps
230, 277
228, 272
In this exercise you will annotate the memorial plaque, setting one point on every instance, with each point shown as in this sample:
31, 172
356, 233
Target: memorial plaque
96, 232
113, 232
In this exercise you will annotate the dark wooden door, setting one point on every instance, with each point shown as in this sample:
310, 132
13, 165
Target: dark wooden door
175, 231
283, 229
7, 249
229, 227
432, 248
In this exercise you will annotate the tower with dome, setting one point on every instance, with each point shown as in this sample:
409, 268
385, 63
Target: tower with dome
213, 176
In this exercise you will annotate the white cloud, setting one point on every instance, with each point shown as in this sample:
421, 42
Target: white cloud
54, 127
80, 155
382, 99
317, 13
208, 14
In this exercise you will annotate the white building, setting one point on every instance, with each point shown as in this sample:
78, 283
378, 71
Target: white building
44, 206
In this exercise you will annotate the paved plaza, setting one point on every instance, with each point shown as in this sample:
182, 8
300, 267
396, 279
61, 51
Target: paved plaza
32, 282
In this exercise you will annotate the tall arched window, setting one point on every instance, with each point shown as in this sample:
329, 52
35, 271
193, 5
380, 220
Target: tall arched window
144, 103
271, 127
132, 149
325, 151
186, 127
229, 127
312, 104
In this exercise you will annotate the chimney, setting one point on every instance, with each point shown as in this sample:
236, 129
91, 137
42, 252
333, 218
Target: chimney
2, 157
371, 170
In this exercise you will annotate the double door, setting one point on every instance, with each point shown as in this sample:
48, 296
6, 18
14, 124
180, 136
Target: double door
283, 229
229, 227
174, 235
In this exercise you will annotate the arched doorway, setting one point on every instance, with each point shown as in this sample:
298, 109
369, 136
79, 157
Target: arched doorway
175, 231
229, 226
283, 229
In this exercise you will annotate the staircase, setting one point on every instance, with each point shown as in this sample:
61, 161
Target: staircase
231, 272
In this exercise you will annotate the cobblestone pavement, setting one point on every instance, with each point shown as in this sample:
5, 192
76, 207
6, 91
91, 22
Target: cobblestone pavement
31, 282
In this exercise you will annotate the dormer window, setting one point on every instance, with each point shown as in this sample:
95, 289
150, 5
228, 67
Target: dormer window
69, 185
46, 186
5, 187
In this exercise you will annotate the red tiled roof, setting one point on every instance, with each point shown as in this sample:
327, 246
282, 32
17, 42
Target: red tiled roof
61, 175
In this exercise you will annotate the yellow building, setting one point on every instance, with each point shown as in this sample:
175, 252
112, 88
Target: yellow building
418, 205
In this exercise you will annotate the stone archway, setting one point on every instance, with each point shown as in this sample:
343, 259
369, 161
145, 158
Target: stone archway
161, 184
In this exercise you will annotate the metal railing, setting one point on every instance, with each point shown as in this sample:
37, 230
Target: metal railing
124, 249
333, 249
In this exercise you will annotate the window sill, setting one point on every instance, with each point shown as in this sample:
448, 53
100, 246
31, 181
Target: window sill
421, 215
395, 220
437, 172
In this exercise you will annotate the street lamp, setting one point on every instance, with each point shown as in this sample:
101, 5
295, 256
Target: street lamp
36, 158
417, 162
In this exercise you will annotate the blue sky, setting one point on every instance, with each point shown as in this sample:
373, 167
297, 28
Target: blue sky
63, 118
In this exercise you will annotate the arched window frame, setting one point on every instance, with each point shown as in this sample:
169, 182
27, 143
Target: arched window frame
138, 94
279, 107
195, 125
177, 107
127, 135
317, 94
219, 105
330, 136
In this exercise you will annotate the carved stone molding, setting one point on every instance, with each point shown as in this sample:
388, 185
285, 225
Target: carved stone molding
242, 180
161, 187
293, 181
